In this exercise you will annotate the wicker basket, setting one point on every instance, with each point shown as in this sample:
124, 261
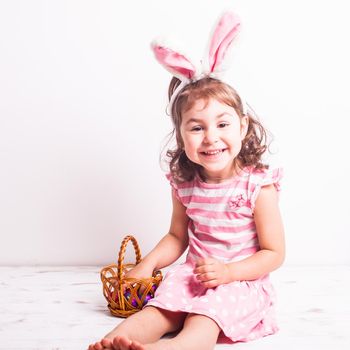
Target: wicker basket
126, 296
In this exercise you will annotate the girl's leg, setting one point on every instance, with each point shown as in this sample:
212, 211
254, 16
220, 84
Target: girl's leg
199, 333
145, 326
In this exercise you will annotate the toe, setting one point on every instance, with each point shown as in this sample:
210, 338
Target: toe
136, 346
115, 342
121, 343
107, 343
96, 346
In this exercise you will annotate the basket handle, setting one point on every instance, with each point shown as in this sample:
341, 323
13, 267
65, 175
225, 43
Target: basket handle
122, 253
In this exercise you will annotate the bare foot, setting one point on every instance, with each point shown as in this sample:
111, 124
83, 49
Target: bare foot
137, 346
124, 343
162, 344
104, 344
121, 343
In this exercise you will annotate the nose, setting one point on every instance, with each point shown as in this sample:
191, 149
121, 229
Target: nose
211, 136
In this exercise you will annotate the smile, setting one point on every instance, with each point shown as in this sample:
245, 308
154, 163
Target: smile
213, 152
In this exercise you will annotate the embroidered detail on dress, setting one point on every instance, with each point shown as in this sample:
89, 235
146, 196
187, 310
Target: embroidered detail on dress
237, 202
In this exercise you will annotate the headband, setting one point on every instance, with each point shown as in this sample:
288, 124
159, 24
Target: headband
214, 62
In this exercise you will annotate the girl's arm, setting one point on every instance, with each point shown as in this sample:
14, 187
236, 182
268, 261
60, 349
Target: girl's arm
271, 255
170, 247
270, 231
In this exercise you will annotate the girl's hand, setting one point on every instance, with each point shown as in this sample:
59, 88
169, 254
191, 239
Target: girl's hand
139, 272
211, 272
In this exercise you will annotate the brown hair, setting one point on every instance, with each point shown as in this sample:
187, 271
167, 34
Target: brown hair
254, 144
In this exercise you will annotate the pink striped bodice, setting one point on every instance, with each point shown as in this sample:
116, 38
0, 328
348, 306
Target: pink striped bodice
222, 215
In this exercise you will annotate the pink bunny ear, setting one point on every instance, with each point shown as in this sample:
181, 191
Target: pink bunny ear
224, 33
174, 62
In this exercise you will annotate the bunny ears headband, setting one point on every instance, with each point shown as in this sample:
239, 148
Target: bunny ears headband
213, 64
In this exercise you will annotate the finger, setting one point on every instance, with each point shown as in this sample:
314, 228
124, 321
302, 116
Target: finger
204, 269
211, 284
205, 261
208, 276
198, 270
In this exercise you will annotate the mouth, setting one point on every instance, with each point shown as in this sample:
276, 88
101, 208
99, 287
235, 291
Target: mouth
213, 153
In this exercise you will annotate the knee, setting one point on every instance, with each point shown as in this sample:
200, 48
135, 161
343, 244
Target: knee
203, 322
172, 321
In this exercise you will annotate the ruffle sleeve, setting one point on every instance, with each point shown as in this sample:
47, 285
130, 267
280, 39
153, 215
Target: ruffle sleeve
263, 178
174, 186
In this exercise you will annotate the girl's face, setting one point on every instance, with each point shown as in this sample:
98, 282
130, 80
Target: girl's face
212, 133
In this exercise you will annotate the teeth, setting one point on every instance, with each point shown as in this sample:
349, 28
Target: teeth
211, 153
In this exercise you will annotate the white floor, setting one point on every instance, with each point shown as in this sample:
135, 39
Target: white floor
56, 308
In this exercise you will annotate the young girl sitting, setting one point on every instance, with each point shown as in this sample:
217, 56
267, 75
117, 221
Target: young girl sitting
225, 210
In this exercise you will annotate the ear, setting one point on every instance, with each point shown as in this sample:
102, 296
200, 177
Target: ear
224, 33
244, 126
173, 61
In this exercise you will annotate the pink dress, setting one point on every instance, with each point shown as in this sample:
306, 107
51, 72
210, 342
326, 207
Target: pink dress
222, 227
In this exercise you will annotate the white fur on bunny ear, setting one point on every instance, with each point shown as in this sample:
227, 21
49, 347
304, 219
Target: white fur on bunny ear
173, 61
223, 35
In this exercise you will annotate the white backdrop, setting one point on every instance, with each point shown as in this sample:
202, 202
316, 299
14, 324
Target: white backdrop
82, 121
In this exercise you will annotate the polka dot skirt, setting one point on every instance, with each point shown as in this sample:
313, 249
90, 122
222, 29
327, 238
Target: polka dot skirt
242, 309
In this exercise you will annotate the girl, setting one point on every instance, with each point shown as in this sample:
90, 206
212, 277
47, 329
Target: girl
225, 210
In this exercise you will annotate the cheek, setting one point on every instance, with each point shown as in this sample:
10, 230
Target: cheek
239, 133
236, 141
238, 147
190, 140
189, 145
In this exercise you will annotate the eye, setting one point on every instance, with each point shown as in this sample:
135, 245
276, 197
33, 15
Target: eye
196, 128
223, 125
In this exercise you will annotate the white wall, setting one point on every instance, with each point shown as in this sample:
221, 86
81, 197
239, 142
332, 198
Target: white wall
82, 121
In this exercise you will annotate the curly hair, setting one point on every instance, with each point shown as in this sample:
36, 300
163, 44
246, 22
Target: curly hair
254, 144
